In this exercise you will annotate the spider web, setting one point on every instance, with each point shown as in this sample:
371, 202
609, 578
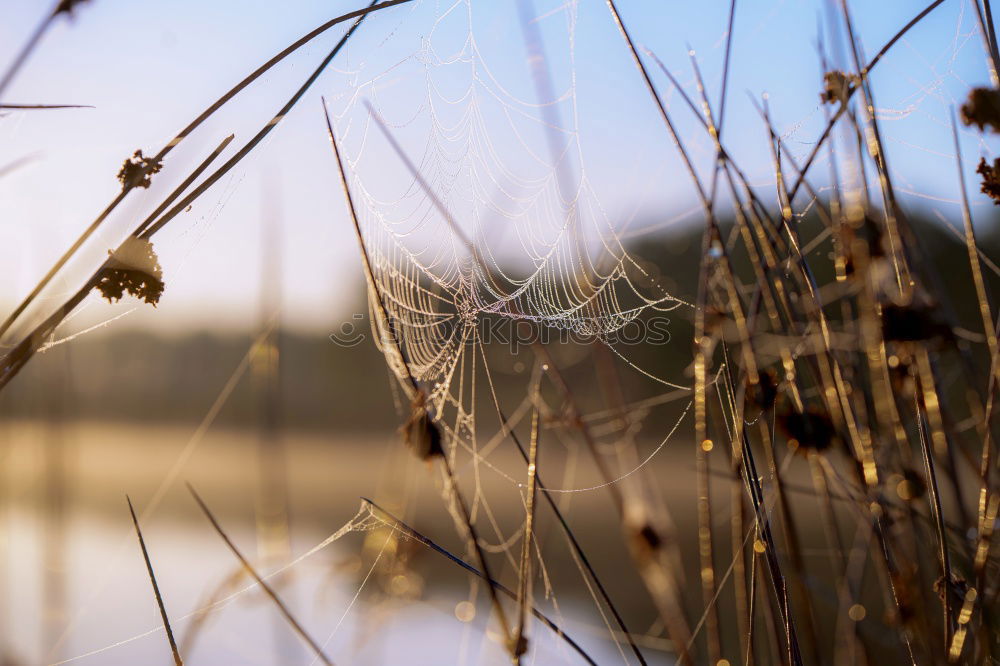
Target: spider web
482, 223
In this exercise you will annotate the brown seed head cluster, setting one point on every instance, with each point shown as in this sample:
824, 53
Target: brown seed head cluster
137, 171
420, 432
67, 6
133, 268
836, 87
991, 179
982, 109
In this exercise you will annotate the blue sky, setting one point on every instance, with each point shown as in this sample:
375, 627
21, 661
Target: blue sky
148, 68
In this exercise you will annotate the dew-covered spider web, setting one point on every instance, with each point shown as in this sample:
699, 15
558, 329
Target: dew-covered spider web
489, 211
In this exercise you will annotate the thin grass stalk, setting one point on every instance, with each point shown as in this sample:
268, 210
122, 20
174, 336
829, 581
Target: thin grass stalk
724, 85
383, 322
876, 149
988, 502
563, 524
773, 652
791, 531
737, 528
702, 344
705, 546
156, 588
472, 538
414, 534
871, 512
268, 590
991, 31
660, 579
751, 598
524, 580
413, 390
42, 107
982, 296
932, 419
751, 478
989, 41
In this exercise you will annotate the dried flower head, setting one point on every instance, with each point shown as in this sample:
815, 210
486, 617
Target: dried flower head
991, 179
765, 392
957, 588
133, 268
912, 323
811, 429
646, 541
420, 432
836, 87
67, 6
982, 109
519, 645
137, 171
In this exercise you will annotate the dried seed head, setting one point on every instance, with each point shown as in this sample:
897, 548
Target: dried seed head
647, 539
870, 230
836, 87
765, 392
991, 179
912, 323
67, 6
420, 432
957, 589
137, 171
132, 268
811, 429
982, 109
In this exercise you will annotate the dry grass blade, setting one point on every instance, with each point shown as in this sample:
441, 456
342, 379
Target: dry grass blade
985, 24
649, 549
524, 581
574, 543
985, 468
13, 166
38, 107
313, 645
409, 531
384, 323
156, 588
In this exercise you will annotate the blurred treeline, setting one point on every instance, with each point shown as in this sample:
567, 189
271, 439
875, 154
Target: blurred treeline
128, 375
